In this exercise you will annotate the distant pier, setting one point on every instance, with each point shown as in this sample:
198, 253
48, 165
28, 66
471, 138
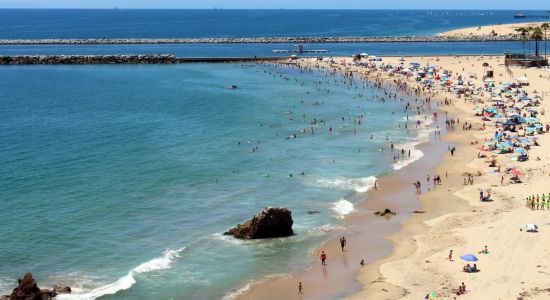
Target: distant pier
522, 16
300, 48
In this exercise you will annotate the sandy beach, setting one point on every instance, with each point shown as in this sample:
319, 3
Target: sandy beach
498, 30
452, 218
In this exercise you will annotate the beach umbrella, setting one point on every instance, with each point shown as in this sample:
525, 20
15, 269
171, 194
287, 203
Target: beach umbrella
531, 227
525, 98
468, 257
520, 151
432, 295
523, 79
516, 172
532, 120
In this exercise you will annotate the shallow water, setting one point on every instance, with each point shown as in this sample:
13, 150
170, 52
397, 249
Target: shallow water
122, 178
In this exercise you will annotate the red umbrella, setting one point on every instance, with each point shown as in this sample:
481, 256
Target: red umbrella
516, 172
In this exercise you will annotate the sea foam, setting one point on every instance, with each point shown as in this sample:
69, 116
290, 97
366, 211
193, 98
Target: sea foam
343, 207
360, 185
127, 281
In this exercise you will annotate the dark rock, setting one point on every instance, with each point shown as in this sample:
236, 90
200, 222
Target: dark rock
27, 289
270, 223
61, 289
386, 211
419, 211
311, 212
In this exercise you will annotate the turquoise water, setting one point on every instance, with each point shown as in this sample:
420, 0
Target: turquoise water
120, 179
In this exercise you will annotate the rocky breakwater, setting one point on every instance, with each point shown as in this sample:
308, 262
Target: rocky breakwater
87, 59
270, 223
27, 289
266, 40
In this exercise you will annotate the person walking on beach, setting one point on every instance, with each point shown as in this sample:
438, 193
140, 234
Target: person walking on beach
323, 257
300, 288
343, 243
451, 255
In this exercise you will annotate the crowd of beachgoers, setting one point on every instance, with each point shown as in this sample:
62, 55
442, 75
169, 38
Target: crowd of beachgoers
503, 120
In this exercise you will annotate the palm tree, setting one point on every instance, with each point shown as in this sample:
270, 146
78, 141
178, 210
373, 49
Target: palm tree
537, 35
545, 27
523, 32
529, 30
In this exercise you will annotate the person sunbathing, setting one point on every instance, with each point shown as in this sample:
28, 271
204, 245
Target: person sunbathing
484, 251
467, 268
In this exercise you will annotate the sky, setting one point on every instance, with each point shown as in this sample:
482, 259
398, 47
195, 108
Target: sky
289, 4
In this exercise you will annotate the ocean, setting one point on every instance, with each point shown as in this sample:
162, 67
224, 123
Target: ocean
125, 177
136, 23
119, 180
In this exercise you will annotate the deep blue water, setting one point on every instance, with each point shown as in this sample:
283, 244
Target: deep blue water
56, 23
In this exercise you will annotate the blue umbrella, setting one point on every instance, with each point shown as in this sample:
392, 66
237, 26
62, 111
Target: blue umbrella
520, 150
469, 257
525, 98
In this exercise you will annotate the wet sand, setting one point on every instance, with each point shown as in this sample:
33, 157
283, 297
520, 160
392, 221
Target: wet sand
366, 233
414, 263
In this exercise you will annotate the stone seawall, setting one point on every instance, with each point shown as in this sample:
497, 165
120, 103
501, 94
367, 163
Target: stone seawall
87, 59
120, 59
262, 40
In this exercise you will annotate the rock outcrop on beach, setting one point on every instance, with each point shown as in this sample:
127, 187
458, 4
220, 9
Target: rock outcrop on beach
386, 211
29, 290
272, 222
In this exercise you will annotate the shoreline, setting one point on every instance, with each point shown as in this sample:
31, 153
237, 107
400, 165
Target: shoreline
386, 277
340, 281
497, 30
461, 222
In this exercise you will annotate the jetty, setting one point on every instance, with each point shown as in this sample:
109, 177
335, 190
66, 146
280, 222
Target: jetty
122, 59
265, 40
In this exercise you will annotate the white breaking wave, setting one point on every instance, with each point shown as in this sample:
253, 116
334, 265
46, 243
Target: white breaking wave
416, 154
343, 207
359, 185
321, 230
125, 282
7, 285
239, 292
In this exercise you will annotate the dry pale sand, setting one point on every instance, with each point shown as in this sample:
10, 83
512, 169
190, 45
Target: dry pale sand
517, 266
500, 29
